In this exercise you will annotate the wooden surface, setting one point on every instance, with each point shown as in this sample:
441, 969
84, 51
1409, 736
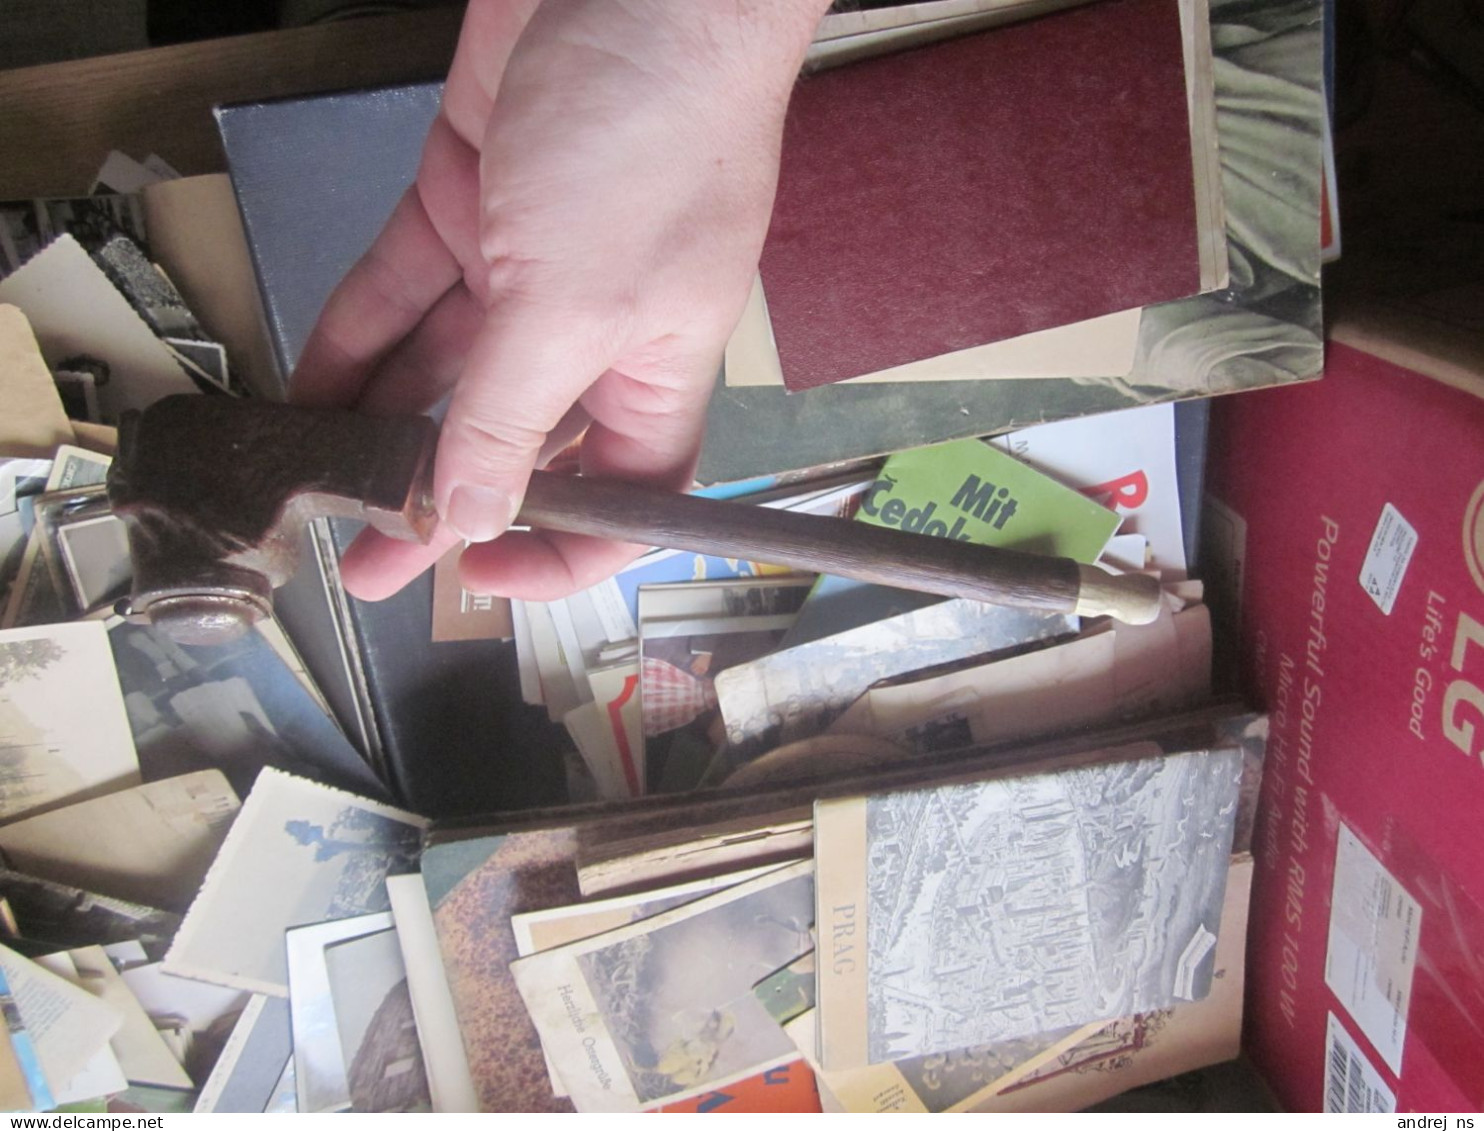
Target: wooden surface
61, 119
877, 555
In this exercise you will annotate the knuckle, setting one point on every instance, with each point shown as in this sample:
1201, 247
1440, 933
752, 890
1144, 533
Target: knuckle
495, 442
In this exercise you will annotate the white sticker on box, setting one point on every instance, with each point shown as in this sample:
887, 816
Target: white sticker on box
1387, 558
1351, 1083
1374, 926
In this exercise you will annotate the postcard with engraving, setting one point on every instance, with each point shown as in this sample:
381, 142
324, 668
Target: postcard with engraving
986, 912
64, 736
688, 635
938, 1082
664, 1008
299, 852
796, 693
1155, 1045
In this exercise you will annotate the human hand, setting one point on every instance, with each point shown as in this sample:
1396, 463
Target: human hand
578, 245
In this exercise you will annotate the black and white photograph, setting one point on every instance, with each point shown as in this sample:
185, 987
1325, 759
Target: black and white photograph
51, 752
796, 693
233, 707
85, 547
299, 852
379, 1041
322, 1081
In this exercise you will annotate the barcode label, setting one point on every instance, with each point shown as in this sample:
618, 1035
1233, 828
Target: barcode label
1387, 558
1350, 1083
1374, 925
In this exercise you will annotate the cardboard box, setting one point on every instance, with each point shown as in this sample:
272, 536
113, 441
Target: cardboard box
1347, 518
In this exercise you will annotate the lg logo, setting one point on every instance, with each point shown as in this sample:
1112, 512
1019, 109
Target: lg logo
1473, 536
1463, 702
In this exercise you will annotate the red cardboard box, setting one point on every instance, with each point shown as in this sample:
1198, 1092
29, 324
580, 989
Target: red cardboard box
1348, 514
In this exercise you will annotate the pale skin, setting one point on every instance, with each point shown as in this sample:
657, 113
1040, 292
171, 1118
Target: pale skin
577, 248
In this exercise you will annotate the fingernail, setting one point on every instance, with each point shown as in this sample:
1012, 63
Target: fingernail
478, 514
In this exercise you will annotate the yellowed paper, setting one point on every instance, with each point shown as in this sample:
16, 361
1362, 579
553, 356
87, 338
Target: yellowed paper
1151, 1046
64, 733
840, 925
74, 309
33, 423
102, 1075
196, 235
728, 847
151, 844
1097, 348
142, 1053
70, 1026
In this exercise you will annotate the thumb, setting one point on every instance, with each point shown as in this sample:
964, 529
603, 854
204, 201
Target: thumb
522, 375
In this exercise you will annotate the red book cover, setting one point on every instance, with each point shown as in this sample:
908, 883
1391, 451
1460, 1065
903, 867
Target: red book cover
1351, 512
982, 188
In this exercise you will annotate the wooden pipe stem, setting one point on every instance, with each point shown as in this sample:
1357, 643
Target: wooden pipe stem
881, 555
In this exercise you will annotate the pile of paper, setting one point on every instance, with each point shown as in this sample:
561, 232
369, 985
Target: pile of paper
959, 856
835, 846
1019, 926
146, 949
683, 668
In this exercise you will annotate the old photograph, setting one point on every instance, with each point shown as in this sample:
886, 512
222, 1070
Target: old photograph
319, 1061
231, 707
85, 548
384, 1068
688, 635
34, 594
51, 751
299, 852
